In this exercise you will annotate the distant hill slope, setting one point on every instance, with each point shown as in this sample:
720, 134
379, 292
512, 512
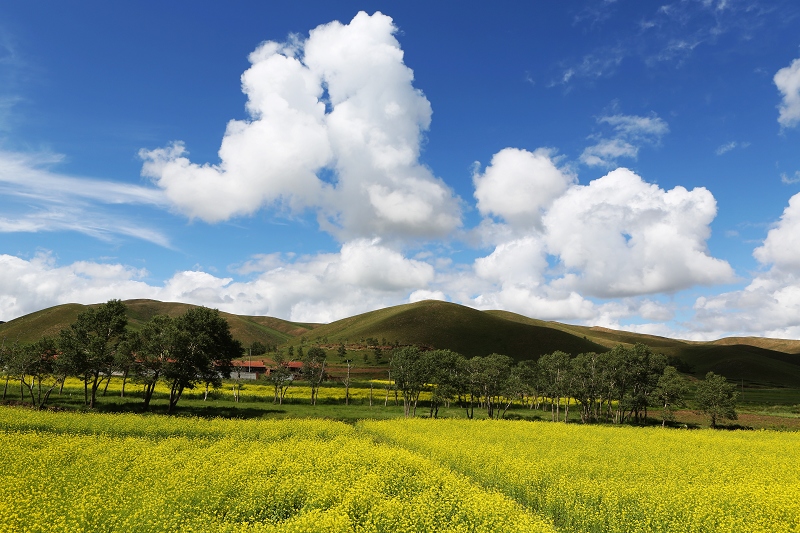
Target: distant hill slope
245, 328
456, 327
756, 361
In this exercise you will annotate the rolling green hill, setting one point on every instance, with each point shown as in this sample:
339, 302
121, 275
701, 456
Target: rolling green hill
756, 361
247, 329
462, 329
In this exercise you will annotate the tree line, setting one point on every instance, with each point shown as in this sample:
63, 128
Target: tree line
196, 348
616, 386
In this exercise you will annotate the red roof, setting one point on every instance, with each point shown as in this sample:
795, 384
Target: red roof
255, 365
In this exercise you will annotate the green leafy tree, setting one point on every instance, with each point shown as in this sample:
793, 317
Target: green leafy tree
493, 374
514, 387
555, 369
202, 351
717, 398
280, 377
470, 379
443, 368
89, 345
409, 374
671, 393
151, 347
40, 369
531, 376
314, 369
8, 354
258, 348
341, 352
645, 367
587, 384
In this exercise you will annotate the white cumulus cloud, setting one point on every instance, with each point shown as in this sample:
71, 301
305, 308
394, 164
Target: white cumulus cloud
770, 304
787, 80
621, 236
364, 275
561, 244
518, 184
342, 104
781, 248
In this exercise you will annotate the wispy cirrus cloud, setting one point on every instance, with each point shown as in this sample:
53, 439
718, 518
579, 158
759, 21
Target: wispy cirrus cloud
671, 33
34, 198
789, 179
729, 146
628, 134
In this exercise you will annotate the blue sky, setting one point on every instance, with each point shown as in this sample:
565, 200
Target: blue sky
626, 164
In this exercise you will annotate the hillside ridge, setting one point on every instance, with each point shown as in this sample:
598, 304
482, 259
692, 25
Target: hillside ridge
472, 332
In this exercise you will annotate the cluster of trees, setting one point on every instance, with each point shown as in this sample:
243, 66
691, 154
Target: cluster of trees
616, 386
194, 348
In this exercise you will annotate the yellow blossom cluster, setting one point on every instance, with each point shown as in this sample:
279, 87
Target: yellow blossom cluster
620, 479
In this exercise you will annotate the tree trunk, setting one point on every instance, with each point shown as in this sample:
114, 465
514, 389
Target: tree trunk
506, 408
124, 380
347, 388
174, 396
95, 386
148, 394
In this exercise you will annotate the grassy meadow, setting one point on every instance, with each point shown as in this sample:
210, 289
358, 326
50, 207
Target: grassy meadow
776, 409
73, 471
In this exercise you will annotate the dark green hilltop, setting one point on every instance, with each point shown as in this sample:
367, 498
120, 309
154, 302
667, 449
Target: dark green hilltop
435, 324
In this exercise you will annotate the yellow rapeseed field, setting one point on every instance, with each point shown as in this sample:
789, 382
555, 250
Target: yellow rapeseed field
259, 390
621, 479
95, 472
89, 472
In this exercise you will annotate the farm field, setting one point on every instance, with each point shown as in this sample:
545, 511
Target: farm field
89, 472
125, 472
621, 479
